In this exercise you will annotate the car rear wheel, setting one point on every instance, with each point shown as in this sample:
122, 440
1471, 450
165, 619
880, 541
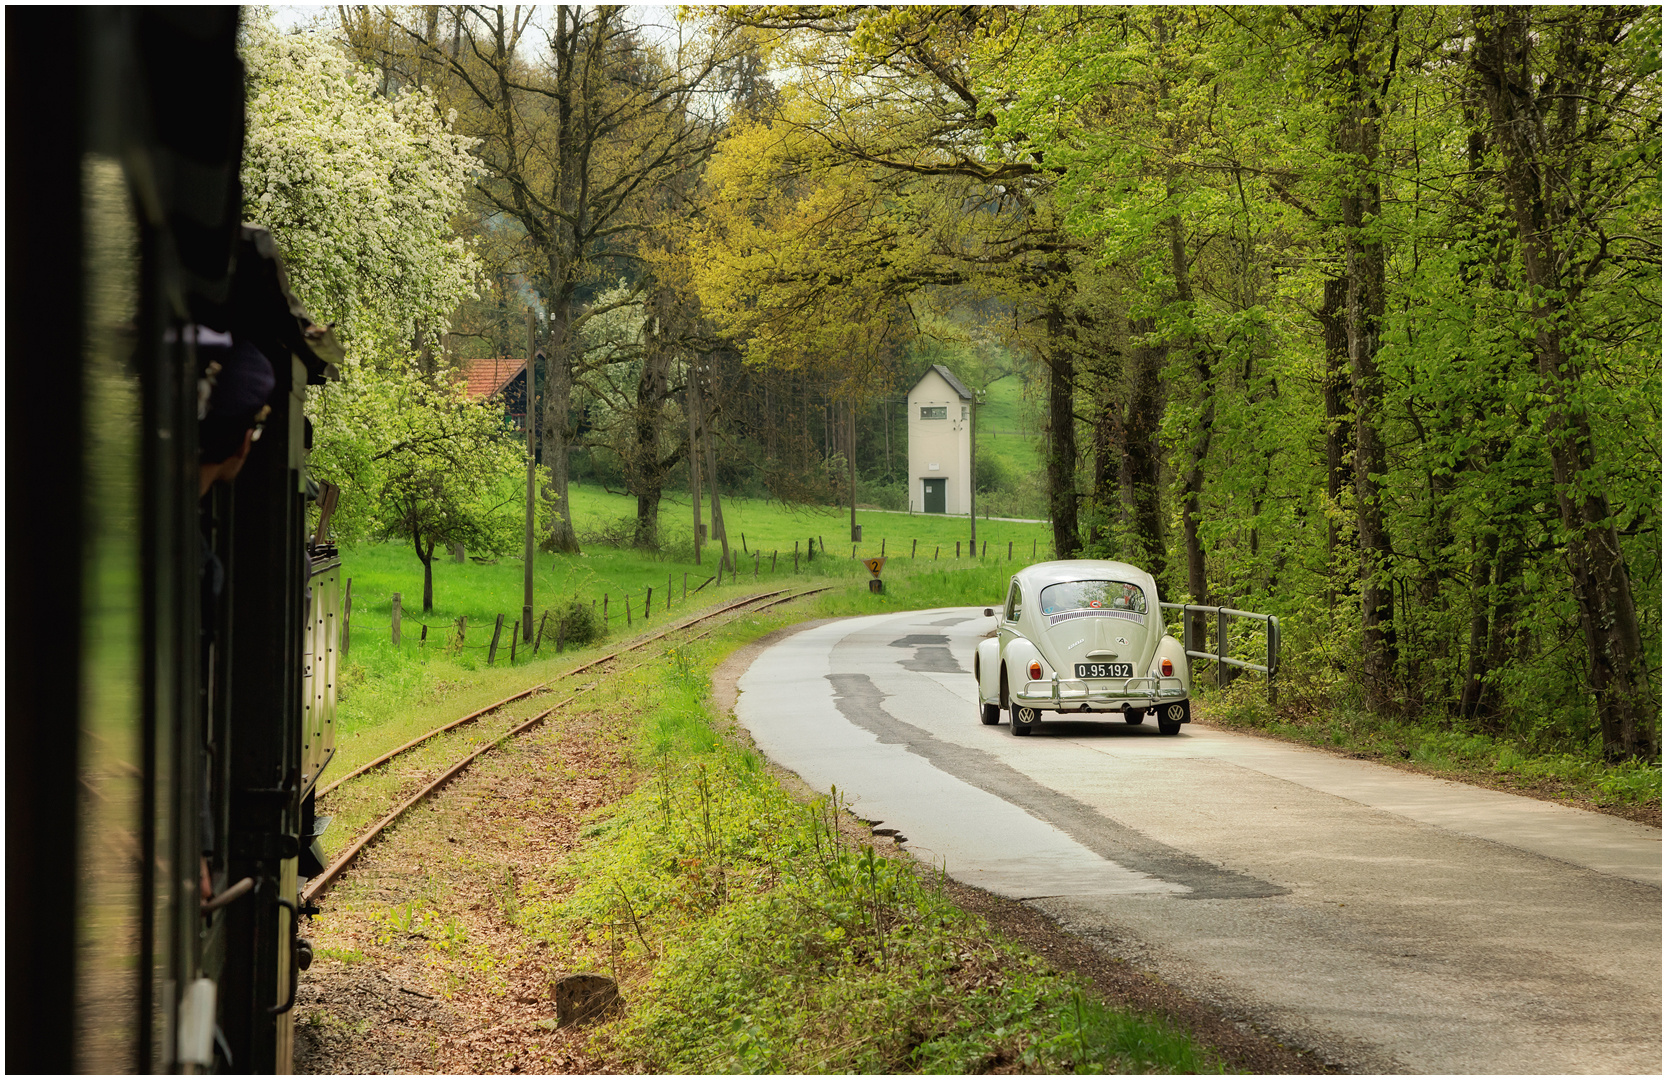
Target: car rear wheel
989, 714
1022, 718
1172, 716
1134, 716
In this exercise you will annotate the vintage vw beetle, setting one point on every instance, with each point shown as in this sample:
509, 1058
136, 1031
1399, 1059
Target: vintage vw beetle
1082, 636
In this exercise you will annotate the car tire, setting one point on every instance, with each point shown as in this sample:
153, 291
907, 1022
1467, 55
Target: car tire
1172, 716
989, 714
1134, 716
1022, 718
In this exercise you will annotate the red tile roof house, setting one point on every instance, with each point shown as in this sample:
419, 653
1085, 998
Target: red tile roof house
499, 376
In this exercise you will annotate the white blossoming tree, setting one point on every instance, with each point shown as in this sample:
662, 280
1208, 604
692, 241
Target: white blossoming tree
360, 191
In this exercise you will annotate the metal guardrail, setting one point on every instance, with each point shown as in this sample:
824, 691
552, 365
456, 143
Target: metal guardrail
1222, 660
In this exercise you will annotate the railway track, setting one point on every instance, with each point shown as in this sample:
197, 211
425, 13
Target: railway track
317, 886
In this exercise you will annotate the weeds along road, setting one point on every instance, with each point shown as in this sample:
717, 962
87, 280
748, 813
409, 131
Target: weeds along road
1391, 921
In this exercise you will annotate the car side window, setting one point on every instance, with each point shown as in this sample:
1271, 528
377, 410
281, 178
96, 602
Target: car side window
1013, 602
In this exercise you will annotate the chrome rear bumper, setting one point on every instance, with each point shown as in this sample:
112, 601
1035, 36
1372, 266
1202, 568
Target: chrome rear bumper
1104, 694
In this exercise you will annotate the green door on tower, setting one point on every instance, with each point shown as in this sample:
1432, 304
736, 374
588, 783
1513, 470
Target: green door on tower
935, 495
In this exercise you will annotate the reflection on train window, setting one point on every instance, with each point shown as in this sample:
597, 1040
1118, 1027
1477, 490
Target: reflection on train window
1093, 595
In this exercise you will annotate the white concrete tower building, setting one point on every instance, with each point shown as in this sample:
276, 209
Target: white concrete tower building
940, 444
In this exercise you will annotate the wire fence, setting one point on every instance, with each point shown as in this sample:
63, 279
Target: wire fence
550, 625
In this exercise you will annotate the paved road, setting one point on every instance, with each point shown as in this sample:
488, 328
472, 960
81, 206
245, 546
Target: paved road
1393, 921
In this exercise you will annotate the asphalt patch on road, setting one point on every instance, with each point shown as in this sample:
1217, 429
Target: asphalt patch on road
862, 703
931, 654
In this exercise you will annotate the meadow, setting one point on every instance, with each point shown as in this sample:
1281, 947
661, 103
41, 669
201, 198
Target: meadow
771, 546
390, 688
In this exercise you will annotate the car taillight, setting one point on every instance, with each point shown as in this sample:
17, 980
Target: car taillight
1035, 670
1166, 667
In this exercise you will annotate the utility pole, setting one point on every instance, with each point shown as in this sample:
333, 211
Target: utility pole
972, 468
851, 460
724, 561
691, 401
532, 470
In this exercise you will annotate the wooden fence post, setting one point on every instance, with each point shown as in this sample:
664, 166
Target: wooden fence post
773, 555
422, 642
685, 585
1009, 551
396, 619
936, 552
986, 550
912, 545
647, 604
795, 556
604, 612
627, 611
514, 636
882, 547
492, 649
462, 630
539, 639
755, 556
957, 549
347, 615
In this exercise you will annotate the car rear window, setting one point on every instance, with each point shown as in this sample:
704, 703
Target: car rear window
1091, 597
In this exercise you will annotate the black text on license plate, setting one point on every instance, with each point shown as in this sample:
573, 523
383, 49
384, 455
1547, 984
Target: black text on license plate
1105, 671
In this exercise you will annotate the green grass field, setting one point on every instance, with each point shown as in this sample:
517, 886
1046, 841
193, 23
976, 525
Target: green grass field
1002, 428
763, 536
383, 687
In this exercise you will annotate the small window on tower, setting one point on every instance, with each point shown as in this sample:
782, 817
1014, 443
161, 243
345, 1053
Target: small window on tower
963, 412
934, 412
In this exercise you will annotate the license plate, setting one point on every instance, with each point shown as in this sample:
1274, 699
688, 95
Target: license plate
1105, 671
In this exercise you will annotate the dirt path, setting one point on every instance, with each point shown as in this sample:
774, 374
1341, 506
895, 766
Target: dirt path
421, 968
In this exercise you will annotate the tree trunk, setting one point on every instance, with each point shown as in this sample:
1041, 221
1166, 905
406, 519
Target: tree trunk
1339, 429
425, 552
557, 434
1142, 452
1543, 156
647, 470
1363, 267
1473, 695
1062, 434
1198, 584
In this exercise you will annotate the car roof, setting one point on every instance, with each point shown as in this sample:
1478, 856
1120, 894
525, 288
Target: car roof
1041, 575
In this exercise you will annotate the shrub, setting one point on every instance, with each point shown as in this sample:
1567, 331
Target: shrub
576, 622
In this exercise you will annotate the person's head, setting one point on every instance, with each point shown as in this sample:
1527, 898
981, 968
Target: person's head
241, 383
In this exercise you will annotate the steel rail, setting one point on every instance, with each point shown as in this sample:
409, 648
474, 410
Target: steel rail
317, 885
325, 789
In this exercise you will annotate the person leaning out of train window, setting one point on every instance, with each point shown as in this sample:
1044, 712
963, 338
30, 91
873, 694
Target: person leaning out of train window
235, 389
232, 405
